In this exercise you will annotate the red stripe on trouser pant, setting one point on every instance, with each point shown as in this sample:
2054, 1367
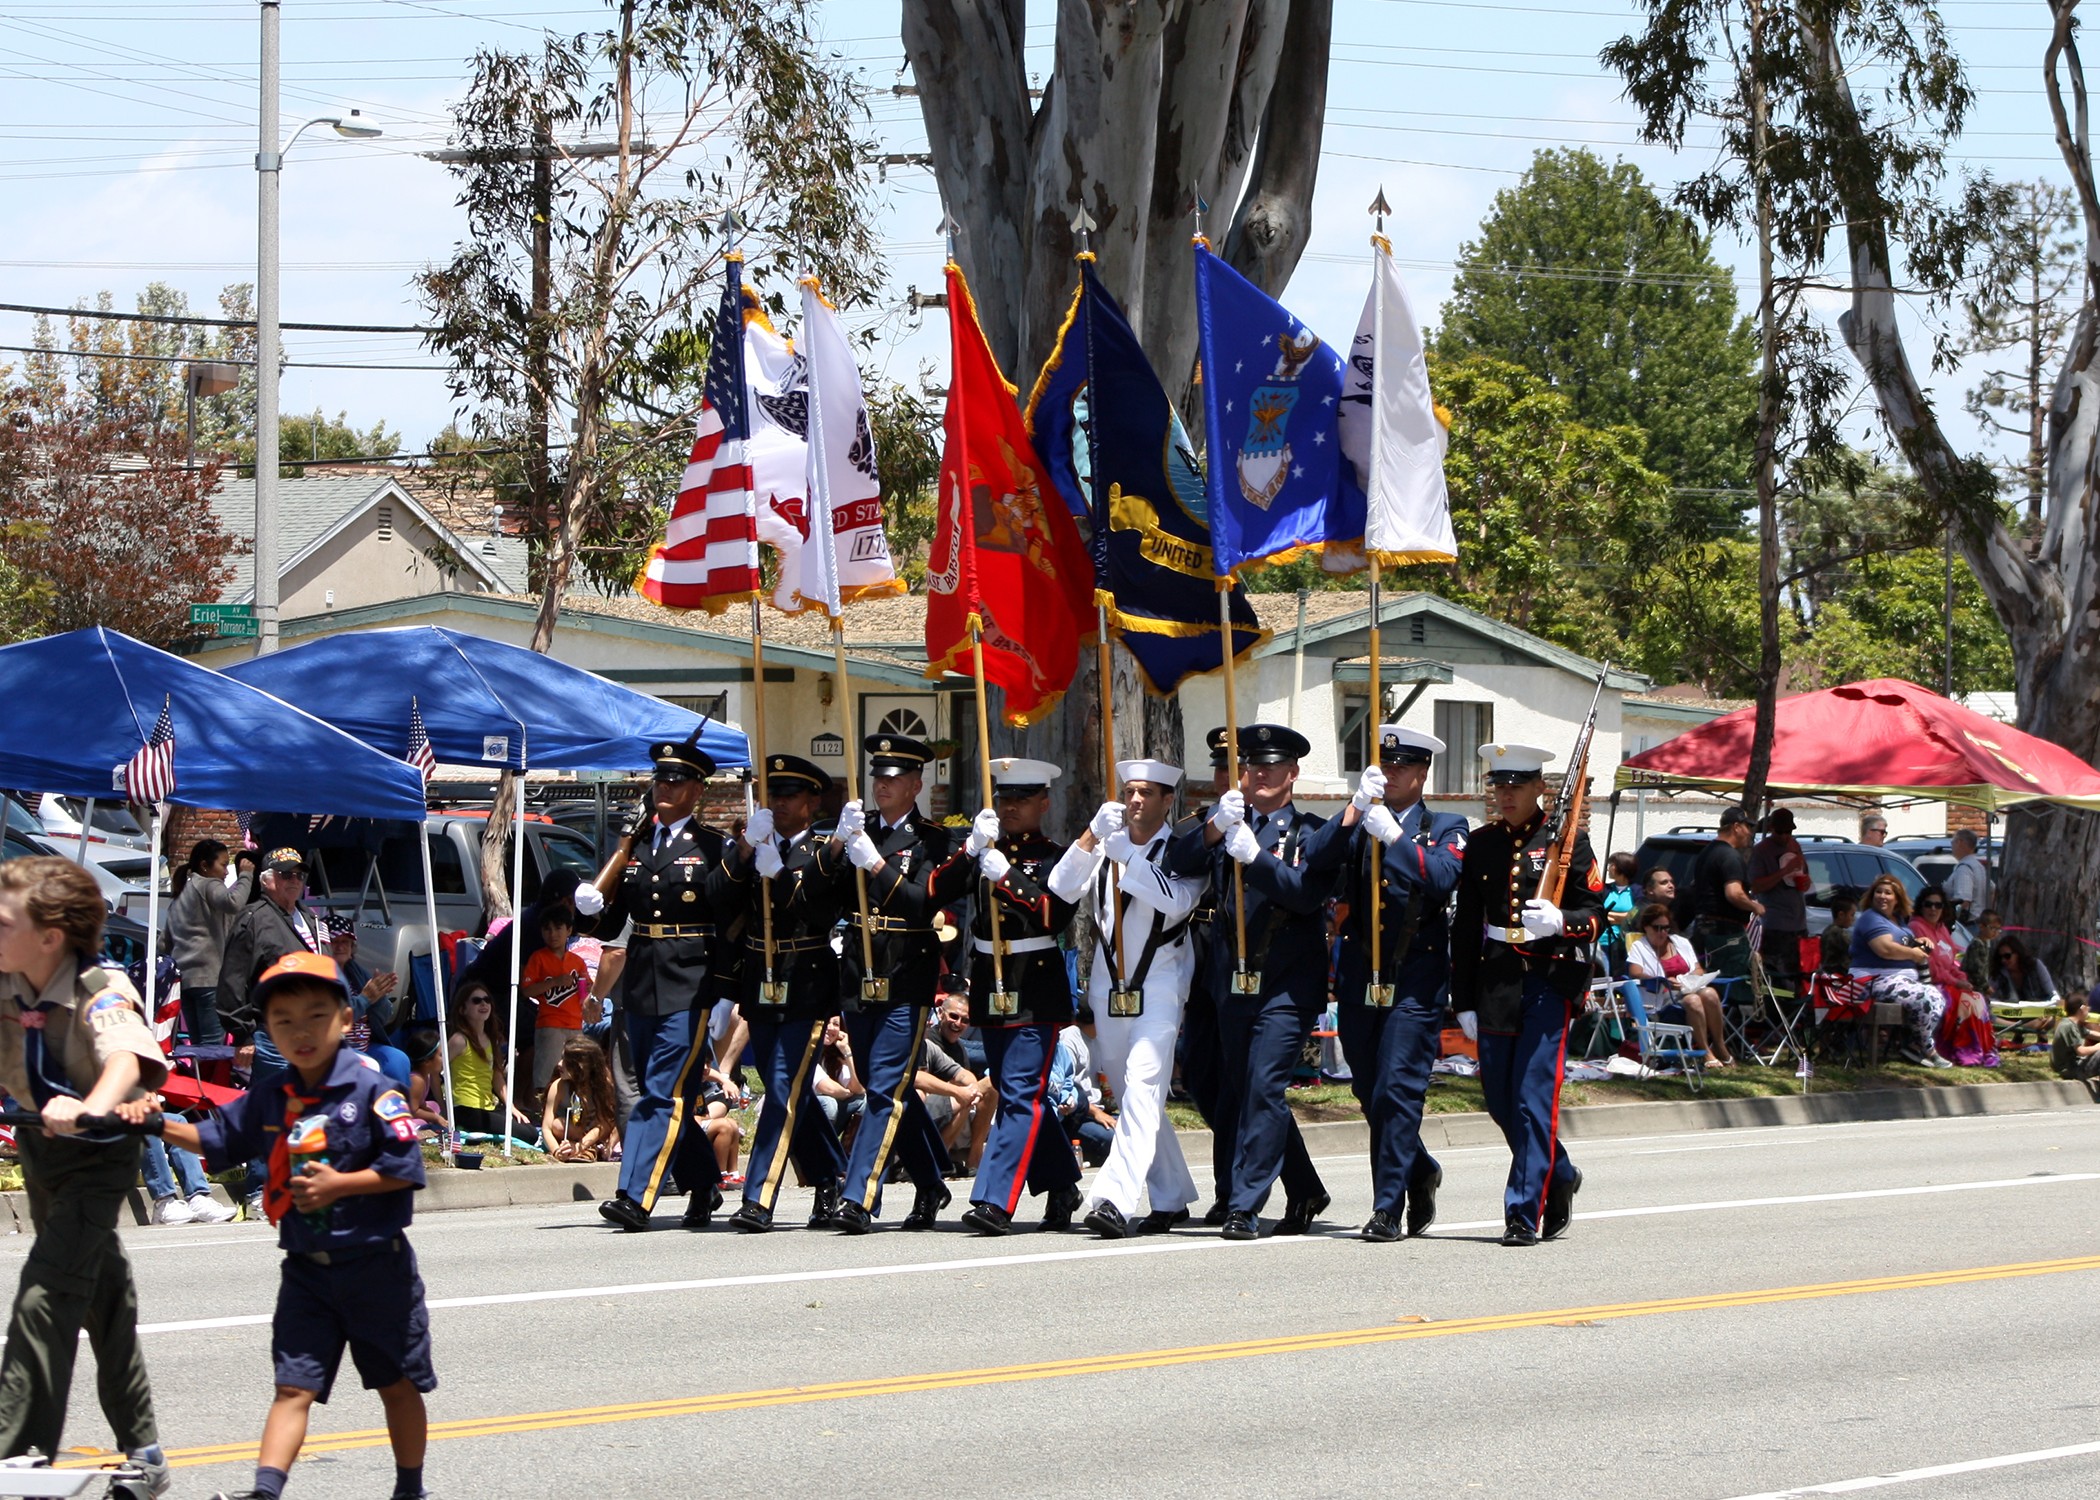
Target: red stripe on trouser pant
1560, 1065
1035, 1128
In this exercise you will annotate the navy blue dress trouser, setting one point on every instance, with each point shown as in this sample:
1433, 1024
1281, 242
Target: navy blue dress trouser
1520, 1075
888, 1041
661, 1145
1260, 1041
1026, 1148
1390, 1053
790, 1125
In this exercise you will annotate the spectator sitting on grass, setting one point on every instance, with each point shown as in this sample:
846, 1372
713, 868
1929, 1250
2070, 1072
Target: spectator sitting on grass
1888, 955
1074, 1095
481, 1098
840, 1093
955, 1039
1976, 958
426, 1079
951, 1092
580, 1121
2018, 977
719, 1094
2074, 1047
1837, 937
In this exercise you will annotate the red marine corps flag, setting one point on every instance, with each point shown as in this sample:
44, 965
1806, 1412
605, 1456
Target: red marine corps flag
1006, 552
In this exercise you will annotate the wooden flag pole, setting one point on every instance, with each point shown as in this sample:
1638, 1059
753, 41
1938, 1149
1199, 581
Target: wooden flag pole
1000, 1004
1243, 982
871, 986
1380, 993
1119, 995
774, 993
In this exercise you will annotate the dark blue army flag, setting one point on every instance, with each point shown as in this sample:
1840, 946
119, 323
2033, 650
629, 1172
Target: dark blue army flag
1114, 448
1278, 482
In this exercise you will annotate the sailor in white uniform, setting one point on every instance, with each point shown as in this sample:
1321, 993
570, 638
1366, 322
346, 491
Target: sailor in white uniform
1136, 990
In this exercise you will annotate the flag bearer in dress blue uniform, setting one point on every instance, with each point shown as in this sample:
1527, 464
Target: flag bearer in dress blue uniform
1135, 992
804, 866
668, 877
1027, 1147
899, 849
1265, 1016
1518, 966
1390, 1022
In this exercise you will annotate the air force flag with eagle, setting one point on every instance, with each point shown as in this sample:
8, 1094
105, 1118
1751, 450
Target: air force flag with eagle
1278, 482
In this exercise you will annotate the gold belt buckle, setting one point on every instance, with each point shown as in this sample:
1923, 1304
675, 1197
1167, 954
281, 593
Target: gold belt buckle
1004, 1002
874, 991
1379, 996
1246, 981
1126, 1002
773, 992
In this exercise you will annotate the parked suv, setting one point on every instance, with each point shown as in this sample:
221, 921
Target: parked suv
1834, 865
1935, 859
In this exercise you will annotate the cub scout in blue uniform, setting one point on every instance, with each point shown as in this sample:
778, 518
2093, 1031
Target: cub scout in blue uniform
344, 1167
1007, 854
1518, 964
1390, 1021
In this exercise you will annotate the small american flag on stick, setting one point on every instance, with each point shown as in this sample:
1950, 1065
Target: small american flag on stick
149, 776
420, 755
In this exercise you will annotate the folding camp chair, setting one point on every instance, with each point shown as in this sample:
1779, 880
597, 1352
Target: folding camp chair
1780, 1014
1604, 1016
1664, 1045
1840, 1001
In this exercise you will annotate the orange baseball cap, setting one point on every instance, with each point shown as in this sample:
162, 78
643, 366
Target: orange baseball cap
297, 968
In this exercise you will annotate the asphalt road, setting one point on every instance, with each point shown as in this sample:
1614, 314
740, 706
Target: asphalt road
1733, 1314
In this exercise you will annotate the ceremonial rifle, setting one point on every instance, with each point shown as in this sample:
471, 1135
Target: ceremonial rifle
1565, 826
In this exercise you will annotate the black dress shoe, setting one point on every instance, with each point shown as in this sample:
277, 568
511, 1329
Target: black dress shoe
1215, 1214
853, 1219
1160, 1220
752, 1218
700, 1209
988, 1218
1381, 1228
824, 1213
1240, 1225
1421, 1202
1062, 1208
926, 1207
1298, 1217
625, 1212
1560, 1206
1517, 1232
1107, 1221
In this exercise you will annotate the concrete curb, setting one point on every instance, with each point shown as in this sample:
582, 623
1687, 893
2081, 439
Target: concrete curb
545, 1186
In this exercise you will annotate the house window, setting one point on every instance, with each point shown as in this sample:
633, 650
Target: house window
1356, 713
386, 523
709, 705
1464, 728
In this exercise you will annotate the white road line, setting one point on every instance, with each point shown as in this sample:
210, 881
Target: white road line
1179, 1244
1936, 1471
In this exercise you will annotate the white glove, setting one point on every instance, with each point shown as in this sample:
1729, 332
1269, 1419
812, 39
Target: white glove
853, 818
1370, 789
1381, 825
589, 900
993, 865
1241, 844
1542, 919
1119, 847
759, 826
767, 857
1469, 1023
1230, 812
862, 851
1108, 819
984, 832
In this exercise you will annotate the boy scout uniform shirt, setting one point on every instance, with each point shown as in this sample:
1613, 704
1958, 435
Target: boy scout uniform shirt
89, 1015
368, 1124
1501, 872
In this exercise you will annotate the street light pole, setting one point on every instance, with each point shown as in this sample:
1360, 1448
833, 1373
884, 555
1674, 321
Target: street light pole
269, 161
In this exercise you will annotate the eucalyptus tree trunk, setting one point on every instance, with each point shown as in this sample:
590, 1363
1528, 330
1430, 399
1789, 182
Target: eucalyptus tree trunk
2046, 594
1148, 104
1769, 402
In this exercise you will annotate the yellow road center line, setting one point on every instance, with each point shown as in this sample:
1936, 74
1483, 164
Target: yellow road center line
1146, 1359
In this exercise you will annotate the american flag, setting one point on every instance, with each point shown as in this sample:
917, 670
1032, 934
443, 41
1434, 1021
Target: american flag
419, 754
149, 776
709, 556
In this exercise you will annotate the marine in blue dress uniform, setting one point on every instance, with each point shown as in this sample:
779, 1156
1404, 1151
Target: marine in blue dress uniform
1265, 999
1389, 1023
668, 877
1006, 847
898, 848
1518, 966
784, 852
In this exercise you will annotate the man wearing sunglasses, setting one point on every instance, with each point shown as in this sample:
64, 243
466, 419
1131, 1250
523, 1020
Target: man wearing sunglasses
668, 877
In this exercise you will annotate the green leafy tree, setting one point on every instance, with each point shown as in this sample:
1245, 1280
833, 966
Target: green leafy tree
908, 466
315, 437
1585, 277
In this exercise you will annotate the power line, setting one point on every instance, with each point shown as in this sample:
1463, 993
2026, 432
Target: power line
183, 359
121, 317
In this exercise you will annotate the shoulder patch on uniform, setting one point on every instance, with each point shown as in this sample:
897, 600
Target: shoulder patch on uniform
108, 1010
392, 1111
1596, 877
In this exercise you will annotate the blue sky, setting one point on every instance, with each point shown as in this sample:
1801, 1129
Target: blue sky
127, 136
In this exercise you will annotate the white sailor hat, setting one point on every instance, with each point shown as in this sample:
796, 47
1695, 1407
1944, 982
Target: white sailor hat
1149, 770
1399, 745
1510, 763
1015, 777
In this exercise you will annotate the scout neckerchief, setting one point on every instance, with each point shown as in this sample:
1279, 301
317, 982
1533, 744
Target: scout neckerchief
277, 1190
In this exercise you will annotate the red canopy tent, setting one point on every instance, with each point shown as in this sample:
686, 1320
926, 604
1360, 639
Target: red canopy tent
1882, 738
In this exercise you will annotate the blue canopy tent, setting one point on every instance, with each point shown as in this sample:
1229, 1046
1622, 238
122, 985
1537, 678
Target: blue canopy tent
482, 702
81, 705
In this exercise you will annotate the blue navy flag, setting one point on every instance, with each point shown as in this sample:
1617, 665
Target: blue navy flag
1278, 482
1115, 450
